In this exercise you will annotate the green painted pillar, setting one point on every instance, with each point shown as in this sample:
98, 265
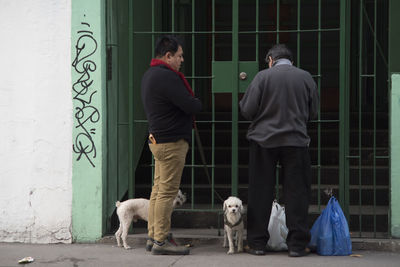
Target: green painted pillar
89, 131
394, 69
395, 156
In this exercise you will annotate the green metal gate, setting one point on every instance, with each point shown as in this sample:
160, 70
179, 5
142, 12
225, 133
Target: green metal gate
225, 42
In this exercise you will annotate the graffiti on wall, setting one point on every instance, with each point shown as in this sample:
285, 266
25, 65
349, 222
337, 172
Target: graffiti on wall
86, 115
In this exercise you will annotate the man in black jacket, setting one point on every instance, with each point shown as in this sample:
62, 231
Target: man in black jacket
170, 105
279, 102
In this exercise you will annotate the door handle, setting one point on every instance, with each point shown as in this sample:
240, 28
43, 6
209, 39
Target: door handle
243, 75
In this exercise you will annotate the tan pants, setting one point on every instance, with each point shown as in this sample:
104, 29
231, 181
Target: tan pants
169, 162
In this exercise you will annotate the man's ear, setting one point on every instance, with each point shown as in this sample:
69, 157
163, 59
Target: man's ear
169, 55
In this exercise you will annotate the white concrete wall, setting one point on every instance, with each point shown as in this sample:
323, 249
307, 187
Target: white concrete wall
35, 121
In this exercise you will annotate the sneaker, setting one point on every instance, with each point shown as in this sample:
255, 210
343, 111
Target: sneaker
149, 244
168, 247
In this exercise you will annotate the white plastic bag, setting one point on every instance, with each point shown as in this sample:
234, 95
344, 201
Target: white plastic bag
277, 228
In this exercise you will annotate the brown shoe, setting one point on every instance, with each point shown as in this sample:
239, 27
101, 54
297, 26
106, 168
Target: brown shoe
168, 248
149, 244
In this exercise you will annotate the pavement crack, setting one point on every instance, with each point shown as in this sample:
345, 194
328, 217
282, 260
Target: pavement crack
172, 264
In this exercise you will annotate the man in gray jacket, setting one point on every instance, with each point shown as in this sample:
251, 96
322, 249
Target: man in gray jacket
279, 102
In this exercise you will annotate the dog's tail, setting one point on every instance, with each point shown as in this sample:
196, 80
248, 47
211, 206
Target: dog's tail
117, 204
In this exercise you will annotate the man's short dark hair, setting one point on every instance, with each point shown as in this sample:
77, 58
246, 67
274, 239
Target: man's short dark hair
279, 51
165, 44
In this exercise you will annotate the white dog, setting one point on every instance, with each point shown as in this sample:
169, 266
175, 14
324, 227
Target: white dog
134, 209
233, 224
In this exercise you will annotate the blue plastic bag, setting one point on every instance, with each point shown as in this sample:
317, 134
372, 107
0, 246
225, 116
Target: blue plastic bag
330, 233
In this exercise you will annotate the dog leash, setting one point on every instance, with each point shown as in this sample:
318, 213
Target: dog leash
203, 159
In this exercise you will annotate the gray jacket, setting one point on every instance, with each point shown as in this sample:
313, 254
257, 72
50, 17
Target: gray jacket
279, 102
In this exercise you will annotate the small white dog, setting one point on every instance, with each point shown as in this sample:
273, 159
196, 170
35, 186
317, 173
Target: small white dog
134, 209
233, 224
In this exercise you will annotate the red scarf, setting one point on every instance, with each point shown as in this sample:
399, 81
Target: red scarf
156, 62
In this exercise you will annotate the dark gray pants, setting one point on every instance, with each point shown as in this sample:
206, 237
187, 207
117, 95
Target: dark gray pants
296, 174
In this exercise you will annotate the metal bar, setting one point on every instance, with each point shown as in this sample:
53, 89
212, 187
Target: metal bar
246, 122
220, 166
193, 87
227, 32
278, 4
277, 41
199, 77
298, 33
257, 28
180, 32
353, 157
117, 115
213, 32
173, 16
346, 180
131, 171
382, 157
235, 93
374, 149
344, 100
319, 112
360, 81
213, 106
153, 25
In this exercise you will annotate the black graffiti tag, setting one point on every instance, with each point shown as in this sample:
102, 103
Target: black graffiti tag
86, 114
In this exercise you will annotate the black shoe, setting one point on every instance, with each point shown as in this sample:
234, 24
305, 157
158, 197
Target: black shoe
300, 253
257, 252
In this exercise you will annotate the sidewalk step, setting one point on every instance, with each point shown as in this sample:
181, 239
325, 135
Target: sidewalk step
198, 237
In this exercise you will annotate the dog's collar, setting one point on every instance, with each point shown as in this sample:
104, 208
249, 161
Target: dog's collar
226, 222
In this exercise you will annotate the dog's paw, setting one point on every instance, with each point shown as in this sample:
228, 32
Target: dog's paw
230, 252
127, 247
240, 249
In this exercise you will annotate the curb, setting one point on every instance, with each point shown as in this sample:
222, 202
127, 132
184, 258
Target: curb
139, 240
392, 245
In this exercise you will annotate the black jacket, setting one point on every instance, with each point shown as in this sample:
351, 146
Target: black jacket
168, 105
279, 102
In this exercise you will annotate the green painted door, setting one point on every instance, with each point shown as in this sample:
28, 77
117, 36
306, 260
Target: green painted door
233, 73
126, 63
117, 115
225, 42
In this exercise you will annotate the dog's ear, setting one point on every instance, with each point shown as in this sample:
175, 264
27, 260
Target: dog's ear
225, 205
241, 208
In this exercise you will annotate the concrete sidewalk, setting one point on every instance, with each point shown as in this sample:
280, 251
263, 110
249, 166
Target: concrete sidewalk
206, 250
